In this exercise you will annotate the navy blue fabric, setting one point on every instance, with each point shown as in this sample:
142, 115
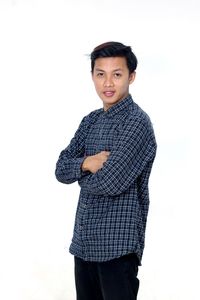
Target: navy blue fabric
113, 204
115, 279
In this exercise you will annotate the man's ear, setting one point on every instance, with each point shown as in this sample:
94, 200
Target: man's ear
132, 77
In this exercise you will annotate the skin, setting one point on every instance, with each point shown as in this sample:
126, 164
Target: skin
111, 79
95, 162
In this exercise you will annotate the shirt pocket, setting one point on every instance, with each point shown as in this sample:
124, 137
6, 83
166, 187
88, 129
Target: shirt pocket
102, 137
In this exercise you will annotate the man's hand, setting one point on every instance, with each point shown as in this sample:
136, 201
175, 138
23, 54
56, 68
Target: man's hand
95, 162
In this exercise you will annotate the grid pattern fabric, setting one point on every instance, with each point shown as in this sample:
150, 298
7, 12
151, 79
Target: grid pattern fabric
113, 203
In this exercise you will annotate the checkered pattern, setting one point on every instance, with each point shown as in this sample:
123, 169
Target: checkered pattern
113, 204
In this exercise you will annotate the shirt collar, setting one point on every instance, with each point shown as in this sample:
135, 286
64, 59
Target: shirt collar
120, 107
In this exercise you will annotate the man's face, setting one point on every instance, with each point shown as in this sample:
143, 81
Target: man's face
112, 79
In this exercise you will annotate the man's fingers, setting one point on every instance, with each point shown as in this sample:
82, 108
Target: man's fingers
107, 153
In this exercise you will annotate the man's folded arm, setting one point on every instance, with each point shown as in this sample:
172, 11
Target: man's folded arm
134, 150
68, 166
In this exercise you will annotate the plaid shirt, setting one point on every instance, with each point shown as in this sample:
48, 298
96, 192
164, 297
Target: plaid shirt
113, 204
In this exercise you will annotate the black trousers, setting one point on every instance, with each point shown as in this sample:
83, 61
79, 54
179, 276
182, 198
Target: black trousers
111, 280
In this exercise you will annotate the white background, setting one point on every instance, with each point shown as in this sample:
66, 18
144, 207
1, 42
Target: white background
46, 89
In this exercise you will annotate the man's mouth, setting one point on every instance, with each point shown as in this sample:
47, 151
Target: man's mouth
109, 93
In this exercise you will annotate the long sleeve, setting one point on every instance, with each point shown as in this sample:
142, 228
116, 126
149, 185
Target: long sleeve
132, 153
68, 167
113, 203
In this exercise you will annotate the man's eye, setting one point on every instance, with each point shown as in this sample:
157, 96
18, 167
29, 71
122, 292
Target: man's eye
100, 74
117, 75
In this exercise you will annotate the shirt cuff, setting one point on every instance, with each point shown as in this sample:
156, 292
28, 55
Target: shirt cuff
78, 168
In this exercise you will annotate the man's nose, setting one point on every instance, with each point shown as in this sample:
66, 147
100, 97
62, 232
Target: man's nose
108, 81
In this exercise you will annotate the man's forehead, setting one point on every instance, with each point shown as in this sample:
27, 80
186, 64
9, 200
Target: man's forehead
115, 63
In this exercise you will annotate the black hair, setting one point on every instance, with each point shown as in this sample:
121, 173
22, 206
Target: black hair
114, 49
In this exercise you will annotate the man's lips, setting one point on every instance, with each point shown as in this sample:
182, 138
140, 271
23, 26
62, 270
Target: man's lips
109, 93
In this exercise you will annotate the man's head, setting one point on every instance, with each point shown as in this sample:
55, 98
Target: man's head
113, 70
114, 49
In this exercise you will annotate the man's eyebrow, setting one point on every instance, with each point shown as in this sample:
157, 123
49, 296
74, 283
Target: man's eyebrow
99, 70
115, 70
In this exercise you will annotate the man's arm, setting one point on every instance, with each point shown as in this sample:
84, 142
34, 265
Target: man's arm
134, 150
68, 166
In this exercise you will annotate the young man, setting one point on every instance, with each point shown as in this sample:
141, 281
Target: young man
111, 156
